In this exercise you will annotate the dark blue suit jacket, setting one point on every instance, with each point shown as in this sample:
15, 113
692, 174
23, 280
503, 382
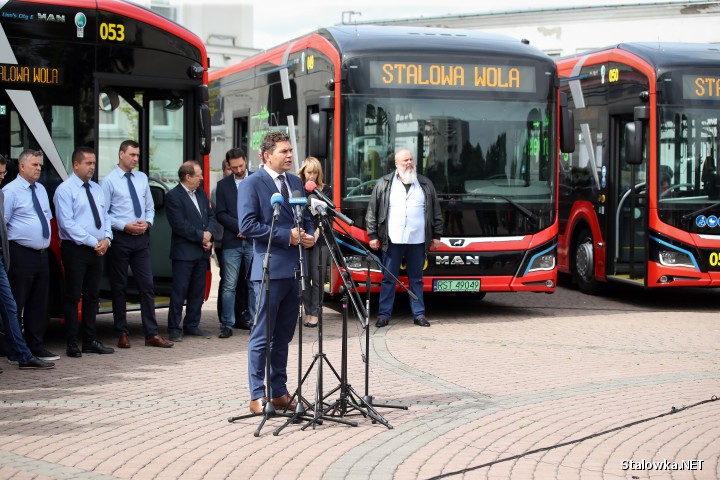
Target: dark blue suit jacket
255, 217
188, 224
226, 211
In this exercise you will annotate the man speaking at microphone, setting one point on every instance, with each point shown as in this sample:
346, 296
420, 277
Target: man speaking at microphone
255, 217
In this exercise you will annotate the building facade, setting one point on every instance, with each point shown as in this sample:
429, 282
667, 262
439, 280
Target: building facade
568, 30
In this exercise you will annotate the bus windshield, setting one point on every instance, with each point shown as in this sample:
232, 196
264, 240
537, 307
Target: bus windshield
688, 180
490, 161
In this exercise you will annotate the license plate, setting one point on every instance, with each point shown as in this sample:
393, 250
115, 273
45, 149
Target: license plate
456, 285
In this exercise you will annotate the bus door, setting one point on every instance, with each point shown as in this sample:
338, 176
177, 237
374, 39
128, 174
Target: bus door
631, 200
156, 120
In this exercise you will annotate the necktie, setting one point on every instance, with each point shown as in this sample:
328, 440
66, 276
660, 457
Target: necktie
93, 207
283, 189
40, 213
133, 195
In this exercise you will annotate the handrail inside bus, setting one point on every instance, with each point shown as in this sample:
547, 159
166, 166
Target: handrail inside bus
617, 218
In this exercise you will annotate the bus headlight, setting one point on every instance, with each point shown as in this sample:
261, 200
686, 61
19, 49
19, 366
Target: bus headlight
355, 261
673, 258
543, 262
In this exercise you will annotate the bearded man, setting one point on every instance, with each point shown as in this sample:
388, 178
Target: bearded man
403, 218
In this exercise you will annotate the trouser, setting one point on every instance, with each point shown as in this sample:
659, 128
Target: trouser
133, 251
83, 269
29, 278
414, 255
8, 311
188, 283
281, 314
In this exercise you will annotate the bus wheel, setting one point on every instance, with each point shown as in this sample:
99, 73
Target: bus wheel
584, 271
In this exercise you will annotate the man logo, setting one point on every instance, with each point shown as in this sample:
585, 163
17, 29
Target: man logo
49, 17
457, 242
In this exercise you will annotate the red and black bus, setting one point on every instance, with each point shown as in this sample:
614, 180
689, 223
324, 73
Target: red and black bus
94, 73
640, 196
479, 112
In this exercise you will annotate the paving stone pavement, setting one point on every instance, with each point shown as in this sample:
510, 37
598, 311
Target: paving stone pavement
512, 387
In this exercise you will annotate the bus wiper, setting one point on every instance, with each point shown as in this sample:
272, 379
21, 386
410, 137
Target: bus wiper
530, 215
688, 216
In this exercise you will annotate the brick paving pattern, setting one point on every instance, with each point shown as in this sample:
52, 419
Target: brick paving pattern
489, 382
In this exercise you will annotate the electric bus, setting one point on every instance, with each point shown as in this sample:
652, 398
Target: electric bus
640, 196
86, 73
478, 111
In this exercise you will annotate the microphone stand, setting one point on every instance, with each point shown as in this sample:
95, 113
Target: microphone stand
349, 398
370, 256
300, 407
269, 408
320, 407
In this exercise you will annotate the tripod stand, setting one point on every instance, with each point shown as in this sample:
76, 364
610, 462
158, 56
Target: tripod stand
373, 258
349, 399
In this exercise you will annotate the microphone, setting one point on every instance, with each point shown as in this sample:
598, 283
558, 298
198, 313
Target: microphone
311, 187
298, 201
276, 201
319, 207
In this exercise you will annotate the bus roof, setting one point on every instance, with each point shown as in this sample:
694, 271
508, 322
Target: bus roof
357, 40
131, 10
664, 55
353, 40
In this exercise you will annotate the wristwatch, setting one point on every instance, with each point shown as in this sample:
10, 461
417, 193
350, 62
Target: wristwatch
109, 241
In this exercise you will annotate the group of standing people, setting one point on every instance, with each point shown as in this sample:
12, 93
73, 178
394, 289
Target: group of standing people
89, 218
115, 218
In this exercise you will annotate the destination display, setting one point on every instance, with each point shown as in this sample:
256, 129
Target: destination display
448, 76
24, 74
701, 87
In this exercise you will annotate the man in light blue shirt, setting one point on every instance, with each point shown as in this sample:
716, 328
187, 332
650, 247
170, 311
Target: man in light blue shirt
132, 211
84, 228
8, 310
27, 215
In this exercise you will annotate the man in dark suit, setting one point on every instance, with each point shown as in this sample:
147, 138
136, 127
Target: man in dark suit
236, 247
255, 214
192, 222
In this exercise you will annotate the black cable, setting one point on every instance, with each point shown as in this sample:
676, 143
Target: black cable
570, 442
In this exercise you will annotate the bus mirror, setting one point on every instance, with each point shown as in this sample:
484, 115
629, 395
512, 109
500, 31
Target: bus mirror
317, 135
108, 100
204, 129
633, 142
203, 96
641, 113
567, 130
158, 196
327, 103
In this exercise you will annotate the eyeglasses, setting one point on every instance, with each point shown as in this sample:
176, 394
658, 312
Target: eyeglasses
2, 174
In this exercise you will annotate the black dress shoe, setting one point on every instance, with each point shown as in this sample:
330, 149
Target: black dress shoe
382, 322
35, 363
422, 321
96, 347
242, 324
73, 350
225, 332
196, 332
